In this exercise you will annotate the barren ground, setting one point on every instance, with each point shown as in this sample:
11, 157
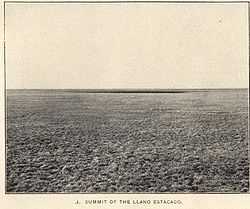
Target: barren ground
69, 141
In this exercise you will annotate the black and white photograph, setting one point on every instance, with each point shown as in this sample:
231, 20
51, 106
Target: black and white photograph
126, 97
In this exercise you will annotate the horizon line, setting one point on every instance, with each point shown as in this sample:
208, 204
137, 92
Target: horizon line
129, 90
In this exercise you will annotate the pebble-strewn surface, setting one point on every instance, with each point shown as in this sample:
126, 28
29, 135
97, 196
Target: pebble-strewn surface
68, 141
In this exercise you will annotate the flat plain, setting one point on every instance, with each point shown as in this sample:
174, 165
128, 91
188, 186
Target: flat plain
73, 141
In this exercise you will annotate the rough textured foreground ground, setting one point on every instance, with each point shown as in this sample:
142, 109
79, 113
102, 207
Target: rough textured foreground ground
68, 141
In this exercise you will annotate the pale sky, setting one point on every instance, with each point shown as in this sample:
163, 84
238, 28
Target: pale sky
126, 45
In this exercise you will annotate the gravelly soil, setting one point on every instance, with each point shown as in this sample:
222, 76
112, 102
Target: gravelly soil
62, 141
